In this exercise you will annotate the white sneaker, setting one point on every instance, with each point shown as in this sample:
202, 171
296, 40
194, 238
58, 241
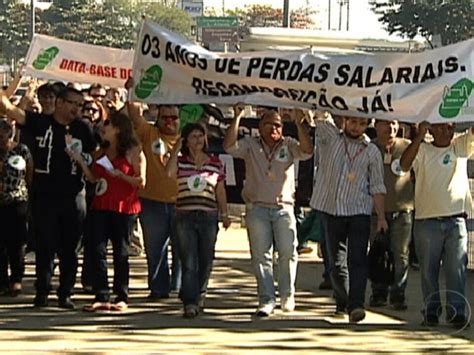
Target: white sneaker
265, 310
288, 304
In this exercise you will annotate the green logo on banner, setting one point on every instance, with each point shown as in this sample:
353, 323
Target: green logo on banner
45, 57
455, 98
150, 81
190, 114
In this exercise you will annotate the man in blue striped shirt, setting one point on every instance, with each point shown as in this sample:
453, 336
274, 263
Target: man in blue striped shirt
348, 185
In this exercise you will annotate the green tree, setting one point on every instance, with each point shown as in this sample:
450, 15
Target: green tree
15, 34
112, 23
453, 20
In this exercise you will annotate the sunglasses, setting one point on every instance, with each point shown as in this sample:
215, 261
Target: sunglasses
97, 96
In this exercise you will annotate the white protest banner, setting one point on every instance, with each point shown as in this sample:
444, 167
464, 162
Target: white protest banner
56, 59
434, 85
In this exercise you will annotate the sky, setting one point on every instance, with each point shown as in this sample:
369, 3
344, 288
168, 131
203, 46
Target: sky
361, 19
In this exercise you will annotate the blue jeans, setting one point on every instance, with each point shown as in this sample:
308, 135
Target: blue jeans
158, 224
267, 227
116, 227
399, 231
442, 240
347, 239
196, 233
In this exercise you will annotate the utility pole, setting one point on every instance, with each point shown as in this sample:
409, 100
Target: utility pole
32, 5
341, 4
286, 13
329, 15
347, 16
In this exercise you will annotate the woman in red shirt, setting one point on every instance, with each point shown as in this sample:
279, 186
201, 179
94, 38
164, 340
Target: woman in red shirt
118, 173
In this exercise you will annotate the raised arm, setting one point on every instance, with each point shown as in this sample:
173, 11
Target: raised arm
135, 109
411, 151
10, 90
12, 112
233, 131
306, 144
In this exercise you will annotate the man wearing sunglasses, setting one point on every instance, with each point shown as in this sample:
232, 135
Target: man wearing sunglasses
58, 198
158, 198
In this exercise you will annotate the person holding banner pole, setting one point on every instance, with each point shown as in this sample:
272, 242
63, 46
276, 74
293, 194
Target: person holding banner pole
349, 185
158, 198
268, 193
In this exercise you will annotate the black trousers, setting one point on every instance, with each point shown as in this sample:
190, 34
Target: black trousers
13, 222
59, 223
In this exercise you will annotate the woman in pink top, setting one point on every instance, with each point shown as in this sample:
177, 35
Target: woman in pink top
118, 174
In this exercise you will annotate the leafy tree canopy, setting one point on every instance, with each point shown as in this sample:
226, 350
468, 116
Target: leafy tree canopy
453, 20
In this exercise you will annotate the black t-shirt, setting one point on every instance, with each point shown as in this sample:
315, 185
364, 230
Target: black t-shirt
56, 175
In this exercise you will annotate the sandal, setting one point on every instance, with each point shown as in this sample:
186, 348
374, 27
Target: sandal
119, 306
97, 306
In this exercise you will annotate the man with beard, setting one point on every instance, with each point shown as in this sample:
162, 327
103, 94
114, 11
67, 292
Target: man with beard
442, 200
58, 198
349, 184
269, 197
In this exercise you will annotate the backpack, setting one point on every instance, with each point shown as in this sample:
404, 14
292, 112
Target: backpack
381, 267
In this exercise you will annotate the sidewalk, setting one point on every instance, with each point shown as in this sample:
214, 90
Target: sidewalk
228, 325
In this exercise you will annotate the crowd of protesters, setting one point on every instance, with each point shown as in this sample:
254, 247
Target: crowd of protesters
78, 167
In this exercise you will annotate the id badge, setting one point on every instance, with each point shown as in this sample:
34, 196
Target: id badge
387, 158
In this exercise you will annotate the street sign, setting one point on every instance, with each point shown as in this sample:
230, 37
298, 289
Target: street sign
217, 22
229, 34
193, 8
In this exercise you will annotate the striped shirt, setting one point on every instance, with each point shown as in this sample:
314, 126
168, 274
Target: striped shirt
349, 174
197, 186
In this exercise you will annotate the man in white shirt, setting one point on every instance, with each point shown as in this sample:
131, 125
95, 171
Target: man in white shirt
442, 199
